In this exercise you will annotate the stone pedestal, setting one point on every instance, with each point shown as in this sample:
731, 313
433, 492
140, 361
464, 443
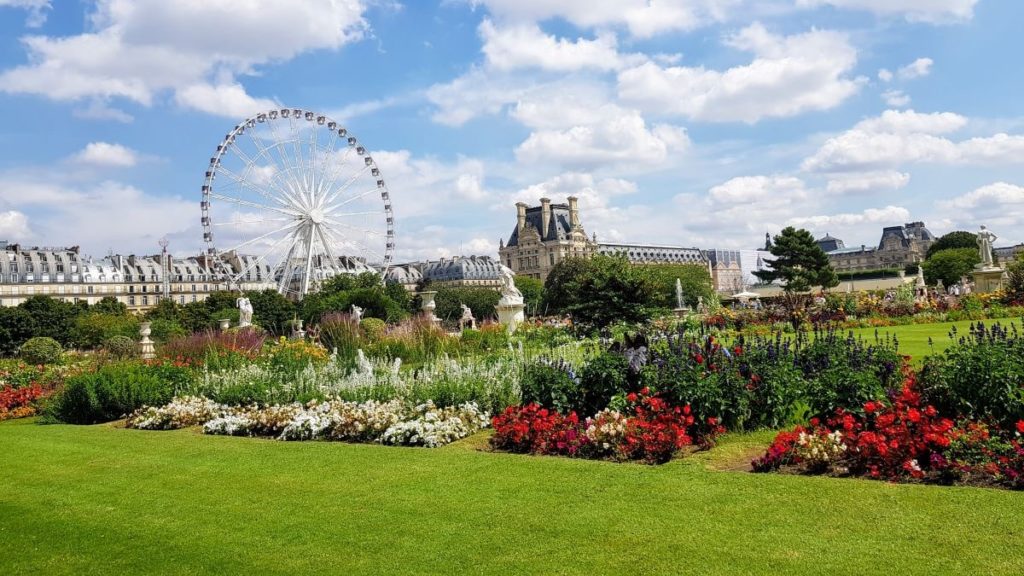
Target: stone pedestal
297, 332
680, 312
510, 313
428, 305
225, 323
987, 279
146, 345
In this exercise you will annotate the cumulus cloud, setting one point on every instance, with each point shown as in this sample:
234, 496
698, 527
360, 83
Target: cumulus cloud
228, 99
641, 17
527, 46
138, 49
425, 186
932, 11
36, 10
14, 226
755, 189
998, 194
916, 69
900, 137
868, 182
999, 205
895, 98
106, 154
789, 75
889, 215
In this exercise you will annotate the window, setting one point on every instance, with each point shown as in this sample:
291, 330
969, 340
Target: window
145, 300
131, 300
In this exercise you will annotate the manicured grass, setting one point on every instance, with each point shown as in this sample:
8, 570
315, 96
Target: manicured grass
913, 338
105, 500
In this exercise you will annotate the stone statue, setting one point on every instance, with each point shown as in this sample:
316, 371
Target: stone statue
509, 293
920, 276
357, 314
700, 305
244, 312
985, 240
679, 294
467, 318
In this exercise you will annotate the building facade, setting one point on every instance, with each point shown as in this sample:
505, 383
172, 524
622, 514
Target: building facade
899, 247
466, 271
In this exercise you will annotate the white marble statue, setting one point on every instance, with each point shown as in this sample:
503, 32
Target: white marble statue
509, 293
679, 294
985, 241
357, 314
467, 318
244, 312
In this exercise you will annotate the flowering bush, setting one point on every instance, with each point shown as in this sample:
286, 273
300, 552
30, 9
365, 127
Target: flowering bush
651, 430
179, 413
436, 427
18, 402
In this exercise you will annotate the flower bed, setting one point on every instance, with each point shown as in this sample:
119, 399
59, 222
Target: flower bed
649, 430
393, 422
903, 440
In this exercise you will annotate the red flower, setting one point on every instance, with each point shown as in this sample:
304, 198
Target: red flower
1020, 426
870, 407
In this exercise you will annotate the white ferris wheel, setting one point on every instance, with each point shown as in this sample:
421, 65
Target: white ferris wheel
299, 196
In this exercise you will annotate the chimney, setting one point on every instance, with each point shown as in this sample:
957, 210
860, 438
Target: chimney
545, 215
521, 215
574, 213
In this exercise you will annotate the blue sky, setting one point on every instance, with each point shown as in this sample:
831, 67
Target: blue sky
692, 122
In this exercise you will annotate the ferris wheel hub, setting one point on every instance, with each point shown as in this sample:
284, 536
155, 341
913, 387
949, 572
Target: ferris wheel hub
316, 216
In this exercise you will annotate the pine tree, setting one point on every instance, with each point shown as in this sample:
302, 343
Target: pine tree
799, 262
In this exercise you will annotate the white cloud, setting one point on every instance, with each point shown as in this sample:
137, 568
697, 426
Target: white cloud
885, 75
138, 49
899, 137
473, 94
895, 98
642, 18
756, 189
36, 10
14, 226
916, 69
999, 205
789, 75
933, 11
999, 194
106, 154
889, 215
867, 182
428, 186
100, 110
527, 46
623, 138
223, 99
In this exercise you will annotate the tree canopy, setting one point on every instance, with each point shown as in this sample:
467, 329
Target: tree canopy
799, 262
599, 291
950, 265
956, 239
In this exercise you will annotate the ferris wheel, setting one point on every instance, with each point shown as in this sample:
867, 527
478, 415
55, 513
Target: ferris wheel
301, 198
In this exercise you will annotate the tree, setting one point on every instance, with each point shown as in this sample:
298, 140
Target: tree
93, 329
957, 239
271, 311
16, 327
109, 305
1015, 286
53, 318
599, 291
950, 265
480, 300
799, 262
533, 292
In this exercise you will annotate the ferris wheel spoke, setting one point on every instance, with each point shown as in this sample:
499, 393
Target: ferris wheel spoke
334, 194
279, 146
327, 246
333, 207
363, 247
241, 181
278, 169
286, 265
249, 203
297, 147
265, 236
309, 261
255, 263
319, 188
248, 222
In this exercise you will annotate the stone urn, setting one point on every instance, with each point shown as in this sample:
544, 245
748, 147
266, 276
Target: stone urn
428, 305
225, 323
146, 345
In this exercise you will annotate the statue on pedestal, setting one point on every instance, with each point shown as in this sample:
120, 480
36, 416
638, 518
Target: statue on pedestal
985, 241
244, 312
357, 314
467, 318
510, 306
509, 293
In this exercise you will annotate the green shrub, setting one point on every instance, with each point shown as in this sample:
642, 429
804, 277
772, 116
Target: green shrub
93, 329
115, 390
603, 378
553, 386
373, 328
489, 338
121, 347
41, 350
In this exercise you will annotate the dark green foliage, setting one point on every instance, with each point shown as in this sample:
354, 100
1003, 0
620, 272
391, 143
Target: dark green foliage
109, 305
603, 378
53, 318
115, 390
599, 291
16, 326
910, 270
956, 239
41, 350
480, 300
93, 328
165, 309
1015, 286
950, 265
694, 278
164, 330
980, 377
553, 386
339, 293
272, 311
533, 293
373, 328
799, 262
486, 339
121, 347
399, 294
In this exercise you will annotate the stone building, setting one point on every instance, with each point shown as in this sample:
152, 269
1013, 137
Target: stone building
899, 247
545, 235
467, 271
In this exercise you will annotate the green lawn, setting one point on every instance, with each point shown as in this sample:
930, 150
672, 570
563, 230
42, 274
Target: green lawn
913, 338
105, 500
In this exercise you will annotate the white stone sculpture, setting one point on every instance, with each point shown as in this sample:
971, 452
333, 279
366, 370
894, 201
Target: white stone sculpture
146, 345
244, 312
510, 306
357, 314
363, 365
985, 241
509, 292
467, 318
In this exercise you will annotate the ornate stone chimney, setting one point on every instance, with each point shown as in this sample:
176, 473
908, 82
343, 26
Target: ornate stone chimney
545, 216
521, 215
574, 213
